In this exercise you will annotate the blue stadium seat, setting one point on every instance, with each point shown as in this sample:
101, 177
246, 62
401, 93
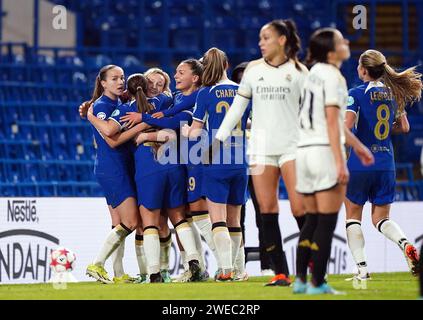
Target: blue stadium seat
40, 91
8, 190
47, 190
408, 191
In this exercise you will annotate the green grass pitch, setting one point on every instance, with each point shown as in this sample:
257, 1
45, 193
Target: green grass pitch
383, 286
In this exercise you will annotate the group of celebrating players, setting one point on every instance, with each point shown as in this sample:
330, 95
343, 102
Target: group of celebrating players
182, 157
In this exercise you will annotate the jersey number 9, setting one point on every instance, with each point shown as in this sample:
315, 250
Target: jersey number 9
191, 184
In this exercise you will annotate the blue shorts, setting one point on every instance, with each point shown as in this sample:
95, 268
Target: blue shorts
194, 182
116, 195
377, 187
163, 189
225, 185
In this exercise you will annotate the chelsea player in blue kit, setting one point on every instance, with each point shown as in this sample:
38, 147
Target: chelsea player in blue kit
167, 189
188, 80
112, 127
225, 179
376, 109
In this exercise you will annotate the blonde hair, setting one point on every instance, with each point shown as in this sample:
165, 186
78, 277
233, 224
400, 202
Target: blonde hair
151, 71
406, 86
215, 63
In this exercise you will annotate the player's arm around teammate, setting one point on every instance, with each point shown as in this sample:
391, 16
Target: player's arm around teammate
112, 169
188, 80
224, 185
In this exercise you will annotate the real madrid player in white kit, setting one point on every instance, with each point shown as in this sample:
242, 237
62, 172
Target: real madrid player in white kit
322, 172
274, 84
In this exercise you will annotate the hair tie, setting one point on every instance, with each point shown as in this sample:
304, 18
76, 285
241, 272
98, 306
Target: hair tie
139, 88
382, 64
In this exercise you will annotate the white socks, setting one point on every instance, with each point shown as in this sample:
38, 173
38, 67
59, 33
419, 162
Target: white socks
202, 221
113, 240
165, 245
152, 249
139, 252
186, 237
356, 243
239, 263
198, 244
117, 260
223, 243
393, 232
236, 240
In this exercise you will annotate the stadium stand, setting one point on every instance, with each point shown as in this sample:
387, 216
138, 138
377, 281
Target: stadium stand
47, 150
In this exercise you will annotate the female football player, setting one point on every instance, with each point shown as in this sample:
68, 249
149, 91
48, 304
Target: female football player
159, 96
188, 80
321, 168
273, 84
266, 270
112, 167
158, 82
225, 179
164, 192
376, 109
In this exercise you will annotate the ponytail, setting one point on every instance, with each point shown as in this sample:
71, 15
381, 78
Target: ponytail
98, 88
406, 86
293, 43
215, 63
288, 29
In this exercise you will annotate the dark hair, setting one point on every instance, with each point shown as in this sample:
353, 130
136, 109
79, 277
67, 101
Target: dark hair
237, 70
215, 62
102, 75
196, 68
322, 41
288, 29
137, 86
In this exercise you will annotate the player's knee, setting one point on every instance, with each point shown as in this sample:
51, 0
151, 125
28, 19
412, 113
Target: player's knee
297, 211
131, 223
269, 207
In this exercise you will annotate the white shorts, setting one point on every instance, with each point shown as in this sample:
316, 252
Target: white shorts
275, 160
315, 169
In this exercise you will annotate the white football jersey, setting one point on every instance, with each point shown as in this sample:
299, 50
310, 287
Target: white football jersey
275, 94
324, 86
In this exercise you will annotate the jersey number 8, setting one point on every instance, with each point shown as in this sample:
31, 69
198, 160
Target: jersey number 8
382, 126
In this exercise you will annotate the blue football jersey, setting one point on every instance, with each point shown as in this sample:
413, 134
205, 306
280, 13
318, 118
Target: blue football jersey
375, 108
146, 162
109, 161
211, 107
181, 103
161, 102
